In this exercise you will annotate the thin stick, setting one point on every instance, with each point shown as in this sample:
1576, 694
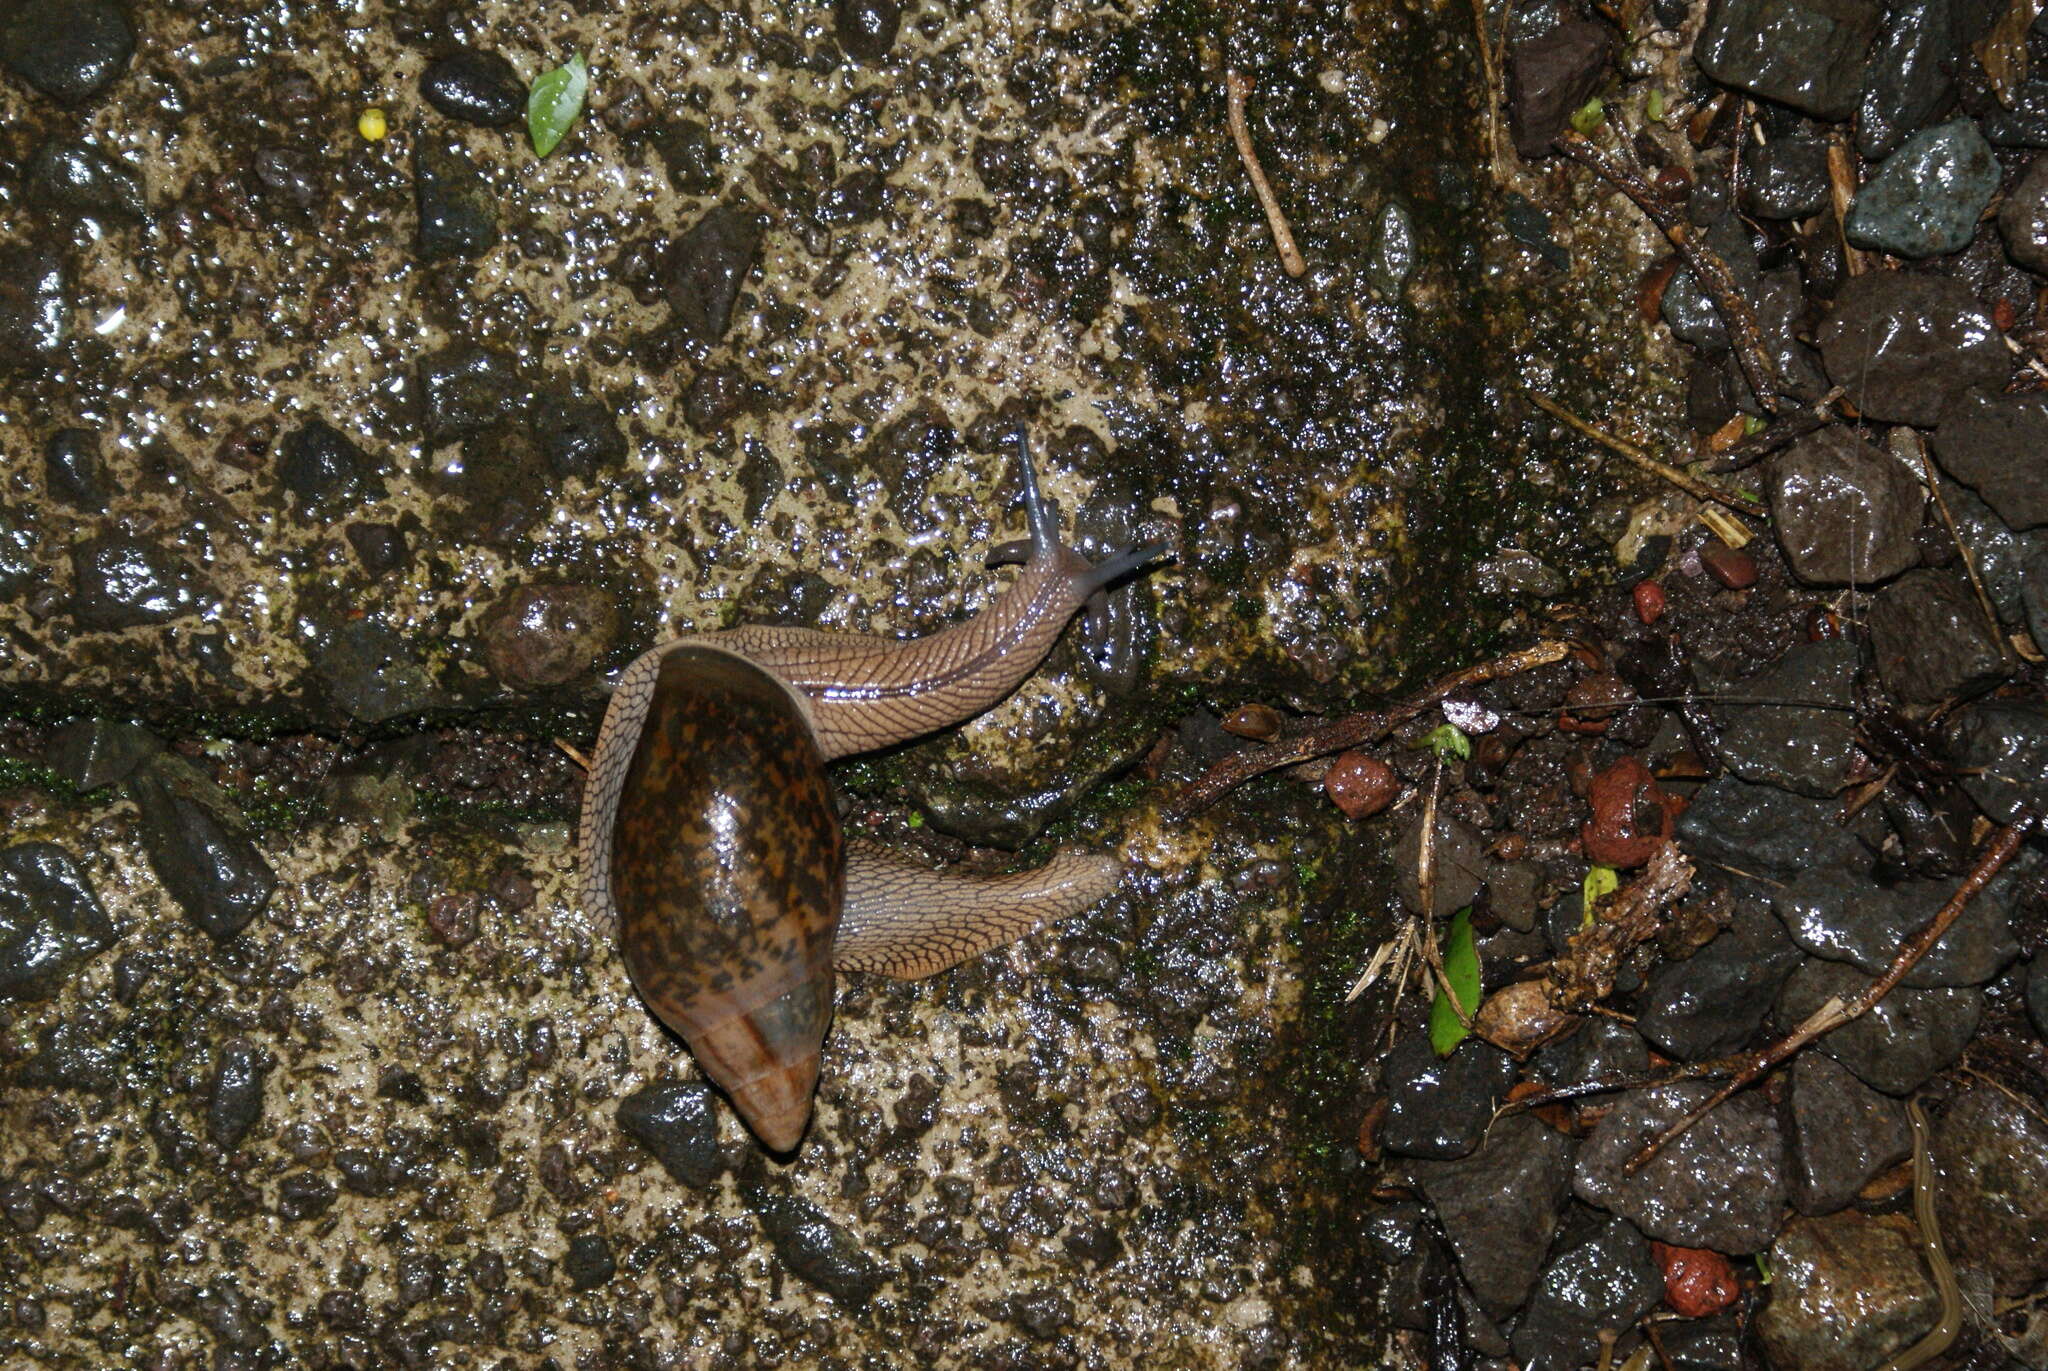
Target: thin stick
1236, 87
1842, 190
1698, 489
1350, 731
1955, 536
1619, 171
573, 755
1789, 428
1489, 67
1837, 1012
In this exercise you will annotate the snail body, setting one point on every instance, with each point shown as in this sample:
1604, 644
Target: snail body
710, 842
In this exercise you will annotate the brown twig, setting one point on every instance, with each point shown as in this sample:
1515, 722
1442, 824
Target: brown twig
1620, 171
1837, 1012
1788, 428
1955, 535
1236, 87
1698, 489
573, 755
1350, 731
1841, 191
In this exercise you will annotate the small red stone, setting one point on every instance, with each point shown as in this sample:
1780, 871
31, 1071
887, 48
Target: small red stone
1649, 598
1697, 1282
2005, 315
1361, 785
1733, 569
1632, 816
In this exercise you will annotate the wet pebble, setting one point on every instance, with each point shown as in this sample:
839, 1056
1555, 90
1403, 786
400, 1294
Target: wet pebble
1720, 1184
1807, 751
1360, 784
579, 437
1042, 1313
1499, 1206
18, 542
1801, 53
1998, 446
2002, 748
1552, 71
66, 176
702, 272
474, 86
1601, 1050
1844, 512
67, 49
1607, 1282
1991, 1154
1926, 198
1930, 641
1902, 345
1788, 177
1911, 75
715, 395
1847, 1292
90, 753
1714, 1001
234, 1096
1632, 815
216, 874
817, 1249
1732, 567
50, 920
465, 389
548, 634
72, 470
1900, 1043
1839, 1134
35, 304
381, 548
458, 215
372, 673
588, 1263
122, 582
678, 1123
2002, 555
1839, 913
1460, 864
2023, 218
1440, 1106
867, 28
1763, 829
325, 471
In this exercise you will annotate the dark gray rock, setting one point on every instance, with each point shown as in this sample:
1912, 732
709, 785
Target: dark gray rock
234, 1095
588, 1262
90, 753
216, 874
1902, 345
1714, 1001
1720, 1184
2023, 218
1911, 76
122, 582
1606, 1282
326, 472
1803, 54
1551, 73
1848, 1292
2002, 748
67, 176
373, 673
466, 389
72, 471
1929, 639
866, 29
35, 304
458, 216
704, 269
579, 437
1998, 446
1763, 830
1896, 1047
678, 1123
1840, 914
474, 86
815, 1248
1992, 1156
2001, 553
381, 548
1461, 865
69, 1058
50, 920
1440, 1106
1788, 177
1926, 198
1844, 512
1600, 1050
1807, 751
1839, 1133
1499, 1206
1709, 1344
1419, 1266
70, 50
2034, 591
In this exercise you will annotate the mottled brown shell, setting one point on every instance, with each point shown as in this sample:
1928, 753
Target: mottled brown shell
729, 875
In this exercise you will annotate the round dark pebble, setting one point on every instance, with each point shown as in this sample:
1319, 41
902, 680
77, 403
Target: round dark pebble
70, 177
72, 470
714, 396
1440, 1106
589, 1263
50, 919
476, 87
816, 1249
867, 28
678, 1123
1042, 1313
579, 437
122, 582
304, 1195
234, 1099
325, 471
35, 304
67, 49
705, 268
381, 548
545, 635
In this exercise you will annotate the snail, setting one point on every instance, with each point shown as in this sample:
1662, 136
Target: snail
710, 843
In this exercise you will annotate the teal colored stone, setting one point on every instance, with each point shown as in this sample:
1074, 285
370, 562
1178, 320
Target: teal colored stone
1926, 197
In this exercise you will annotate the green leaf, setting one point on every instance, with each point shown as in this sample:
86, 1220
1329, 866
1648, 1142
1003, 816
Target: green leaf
1656, 106
1449, 743
1587, 117
1461, 969
1601, 881
554, 102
